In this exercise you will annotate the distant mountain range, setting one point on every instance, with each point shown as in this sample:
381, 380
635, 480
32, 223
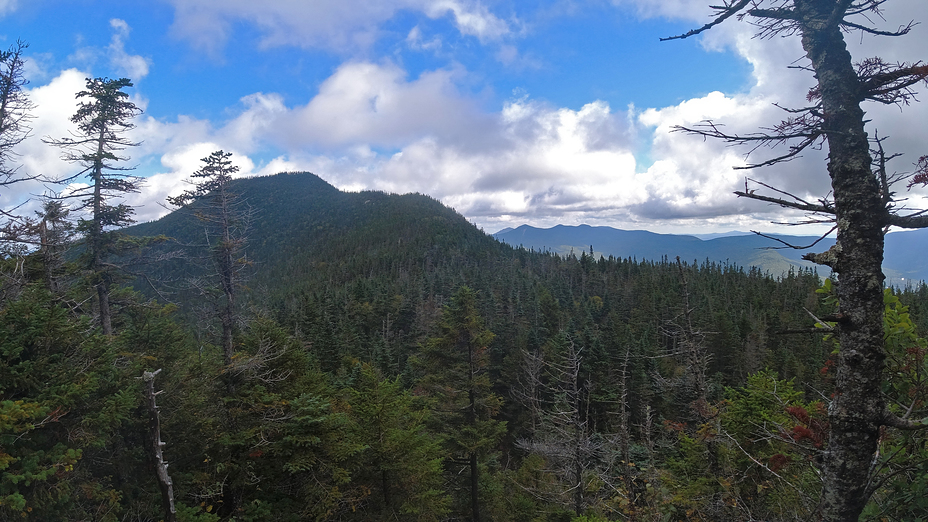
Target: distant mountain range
905, 261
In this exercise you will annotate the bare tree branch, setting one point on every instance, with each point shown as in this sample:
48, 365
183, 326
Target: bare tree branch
790, 245
725, 12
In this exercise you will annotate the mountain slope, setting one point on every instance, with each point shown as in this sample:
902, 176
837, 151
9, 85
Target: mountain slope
301, 221
905, 251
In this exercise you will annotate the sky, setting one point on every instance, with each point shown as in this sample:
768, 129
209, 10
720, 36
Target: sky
512, 112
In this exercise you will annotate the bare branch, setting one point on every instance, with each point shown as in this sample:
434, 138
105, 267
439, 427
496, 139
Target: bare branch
902, 31
889, 83
914, 221
784, 203
725, 12
807, 128
894, 421
790, 245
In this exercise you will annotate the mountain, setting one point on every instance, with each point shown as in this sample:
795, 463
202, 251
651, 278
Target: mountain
300, 220
351, 318
302, 227
905, 251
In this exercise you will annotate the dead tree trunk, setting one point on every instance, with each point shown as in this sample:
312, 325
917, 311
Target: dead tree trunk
161, 466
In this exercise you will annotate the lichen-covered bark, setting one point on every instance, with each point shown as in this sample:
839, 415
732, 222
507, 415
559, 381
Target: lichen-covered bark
857, 407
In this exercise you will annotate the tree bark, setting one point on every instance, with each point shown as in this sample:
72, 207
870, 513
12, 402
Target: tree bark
96, 239
161, 467
857, 408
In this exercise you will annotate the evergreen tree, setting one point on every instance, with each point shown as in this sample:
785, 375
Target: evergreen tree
401, 462
15, 112
457, 380
222, 210
102, 124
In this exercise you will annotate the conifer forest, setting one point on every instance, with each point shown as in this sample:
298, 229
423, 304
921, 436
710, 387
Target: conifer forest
275, 349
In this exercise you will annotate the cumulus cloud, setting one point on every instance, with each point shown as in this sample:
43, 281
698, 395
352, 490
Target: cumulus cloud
173, 177
372, 126
55, 102
375, 104
703, 168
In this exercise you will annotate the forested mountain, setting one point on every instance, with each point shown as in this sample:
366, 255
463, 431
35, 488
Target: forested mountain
906, 252
393, 362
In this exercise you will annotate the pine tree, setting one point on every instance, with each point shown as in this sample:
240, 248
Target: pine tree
222, 210
456, 364
102, 124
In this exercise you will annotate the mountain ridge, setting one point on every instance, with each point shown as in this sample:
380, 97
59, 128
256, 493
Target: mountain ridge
905, 251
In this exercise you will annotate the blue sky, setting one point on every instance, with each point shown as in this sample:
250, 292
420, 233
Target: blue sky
512, 112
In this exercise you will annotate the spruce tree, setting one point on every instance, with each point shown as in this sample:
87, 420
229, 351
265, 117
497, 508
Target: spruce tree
102, 120
456, 364
226, 219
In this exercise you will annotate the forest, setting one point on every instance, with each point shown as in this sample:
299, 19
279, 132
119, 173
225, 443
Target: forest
390, 361
276, 349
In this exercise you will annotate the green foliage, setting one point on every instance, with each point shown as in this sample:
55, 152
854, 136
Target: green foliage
402, 460
352, 387
455, 378
902, 471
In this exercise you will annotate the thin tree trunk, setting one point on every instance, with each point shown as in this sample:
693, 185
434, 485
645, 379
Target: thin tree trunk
474, 490
161, 467
96, 240
106, 317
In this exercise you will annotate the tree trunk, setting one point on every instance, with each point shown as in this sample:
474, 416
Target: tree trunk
856, 410
106, 317
474, 490
161, 467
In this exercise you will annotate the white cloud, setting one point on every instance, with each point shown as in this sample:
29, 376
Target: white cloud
8, 6
178, 165
132, 66
117, 60
262, 112
415, 41
36, 67
372, 126
341, 25
702, 169
375, 104
55, 103
473, 20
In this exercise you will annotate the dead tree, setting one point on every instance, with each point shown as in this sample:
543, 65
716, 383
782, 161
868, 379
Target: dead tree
861, 208
15, 116
154, 432
15, 113
564, 436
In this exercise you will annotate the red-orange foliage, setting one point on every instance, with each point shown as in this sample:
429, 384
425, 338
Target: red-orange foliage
778, 461
920, 177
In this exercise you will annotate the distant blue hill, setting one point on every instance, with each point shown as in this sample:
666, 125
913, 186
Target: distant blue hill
906, 258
